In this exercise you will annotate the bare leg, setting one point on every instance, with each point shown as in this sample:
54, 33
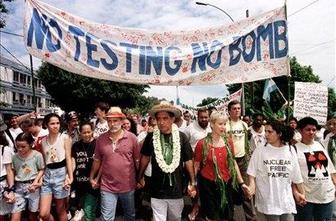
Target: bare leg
61, 208
45, 205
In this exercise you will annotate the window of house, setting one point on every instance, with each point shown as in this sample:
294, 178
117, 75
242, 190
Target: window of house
21, 99
28, 99
16, 76
14, 99
28, 81
39, 103
23, 79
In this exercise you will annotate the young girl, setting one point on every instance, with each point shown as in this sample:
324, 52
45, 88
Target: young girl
272, 170
56, 149
7, 196
82, 156
28, 168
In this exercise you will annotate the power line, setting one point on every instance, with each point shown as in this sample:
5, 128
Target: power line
10, 33
303, 8
314, 46
14, 56
331, 81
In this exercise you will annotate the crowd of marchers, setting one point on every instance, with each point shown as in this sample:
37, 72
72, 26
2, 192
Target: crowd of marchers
61, 168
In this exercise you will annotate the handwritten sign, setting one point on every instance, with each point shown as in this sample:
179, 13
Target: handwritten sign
311, 99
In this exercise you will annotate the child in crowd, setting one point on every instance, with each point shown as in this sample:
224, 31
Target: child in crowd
58, 176
82, 157
28, 165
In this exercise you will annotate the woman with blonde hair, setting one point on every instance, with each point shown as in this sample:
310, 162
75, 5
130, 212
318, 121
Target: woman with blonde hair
219, 172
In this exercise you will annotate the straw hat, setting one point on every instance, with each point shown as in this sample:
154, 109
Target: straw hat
165, 106
116, 113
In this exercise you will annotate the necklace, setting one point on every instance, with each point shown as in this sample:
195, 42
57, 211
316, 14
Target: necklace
168, 160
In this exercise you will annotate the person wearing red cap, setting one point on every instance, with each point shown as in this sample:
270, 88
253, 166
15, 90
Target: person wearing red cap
116, 158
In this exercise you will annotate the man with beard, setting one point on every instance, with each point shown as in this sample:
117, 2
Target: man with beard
198, 129
117, 153
257, 131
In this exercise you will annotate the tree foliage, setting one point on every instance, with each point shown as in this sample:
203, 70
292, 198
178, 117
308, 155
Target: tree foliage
206, 101
3, 10
75, 92
143, 105
254, 90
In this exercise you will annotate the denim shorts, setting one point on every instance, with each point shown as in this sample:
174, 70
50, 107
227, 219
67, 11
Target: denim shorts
53, 181
23, 196
5, 208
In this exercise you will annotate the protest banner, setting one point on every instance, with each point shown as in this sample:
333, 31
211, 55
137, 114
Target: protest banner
220, 104
311, 99
252, 49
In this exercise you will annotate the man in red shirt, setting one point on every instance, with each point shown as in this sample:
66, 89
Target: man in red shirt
117, 154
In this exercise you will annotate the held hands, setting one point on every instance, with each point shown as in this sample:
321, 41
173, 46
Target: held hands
35, 185
192, 190
94, 184
248, 192
9, 197
300, 199
67, 183
141, 183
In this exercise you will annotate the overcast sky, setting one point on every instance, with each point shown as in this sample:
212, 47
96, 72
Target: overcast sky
311, 30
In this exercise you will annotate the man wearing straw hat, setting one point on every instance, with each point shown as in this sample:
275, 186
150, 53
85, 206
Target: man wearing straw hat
168, 149
117, 154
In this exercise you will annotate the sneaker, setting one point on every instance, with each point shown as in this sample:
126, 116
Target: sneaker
79, 215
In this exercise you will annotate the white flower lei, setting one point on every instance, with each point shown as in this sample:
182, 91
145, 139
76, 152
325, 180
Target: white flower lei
176, 150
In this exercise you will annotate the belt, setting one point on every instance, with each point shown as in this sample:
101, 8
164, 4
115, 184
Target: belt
25, 181
240, 158
56, 165
3, 178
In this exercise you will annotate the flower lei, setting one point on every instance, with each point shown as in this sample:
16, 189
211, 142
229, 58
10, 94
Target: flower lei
167, 167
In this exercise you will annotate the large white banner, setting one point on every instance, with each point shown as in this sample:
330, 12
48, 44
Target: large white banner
311, 99
252, 49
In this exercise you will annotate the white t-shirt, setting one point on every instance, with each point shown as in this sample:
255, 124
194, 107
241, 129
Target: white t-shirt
275, 168
195, 132
14, 133
257, 138
42, 133
297, 136
237, 130
316, 169
100, 128
5, 158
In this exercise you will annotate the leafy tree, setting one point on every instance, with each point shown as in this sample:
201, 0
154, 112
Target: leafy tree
3, 10
331, 103
75, 92
207, 101
144, 104
254, 90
